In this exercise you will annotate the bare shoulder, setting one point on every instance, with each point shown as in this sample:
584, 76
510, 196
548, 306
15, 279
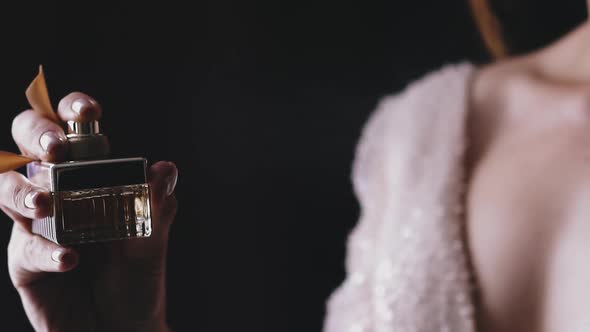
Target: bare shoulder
529, 199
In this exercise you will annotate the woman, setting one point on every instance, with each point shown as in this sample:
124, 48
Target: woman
473, 194
474, 188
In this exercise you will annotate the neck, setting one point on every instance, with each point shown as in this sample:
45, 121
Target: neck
567, 59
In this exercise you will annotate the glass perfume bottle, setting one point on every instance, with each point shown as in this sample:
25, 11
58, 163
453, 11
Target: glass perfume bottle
94, 198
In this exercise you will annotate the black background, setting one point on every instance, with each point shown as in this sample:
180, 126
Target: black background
260, 104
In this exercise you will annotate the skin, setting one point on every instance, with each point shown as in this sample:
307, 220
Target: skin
114, 286
528, 202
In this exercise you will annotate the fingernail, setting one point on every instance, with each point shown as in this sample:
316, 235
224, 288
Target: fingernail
30, 199
171, 182
50, 139
81, 104
36, 200
62, 256
58, 255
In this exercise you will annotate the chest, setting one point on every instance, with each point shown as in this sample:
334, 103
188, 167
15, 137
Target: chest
526, 220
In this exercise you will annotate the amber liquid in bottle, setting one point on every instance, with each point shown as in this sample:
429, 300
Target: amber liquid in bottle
94, 201
105, 213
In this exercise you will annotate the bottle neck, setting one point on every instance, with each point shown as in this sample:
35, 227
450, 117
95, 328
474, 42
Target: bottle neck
86, 142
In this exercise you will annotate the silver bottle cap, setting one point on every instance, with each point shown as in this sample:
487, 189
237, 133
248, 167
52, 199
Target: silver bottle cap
76, 129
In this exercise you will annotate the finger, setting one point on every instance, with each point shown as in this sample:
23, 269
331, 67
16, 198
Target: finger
79, 107
29, 256
162, 177
18, 194
39, 137
41, 255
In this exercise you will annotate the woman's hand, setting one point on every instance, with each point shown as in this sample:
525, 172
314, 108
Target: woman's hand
114, 286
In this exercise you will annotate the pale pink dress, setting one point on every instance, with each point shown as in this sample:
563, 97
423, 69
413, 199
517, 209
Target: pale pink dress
407, 266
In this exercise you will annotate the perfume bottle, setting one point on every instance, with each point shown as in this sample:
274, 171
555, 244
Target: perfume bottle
93, 198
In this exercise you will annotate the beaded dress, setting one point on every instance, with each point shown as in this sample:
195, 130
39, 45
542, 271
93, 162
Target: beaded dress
407, 266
